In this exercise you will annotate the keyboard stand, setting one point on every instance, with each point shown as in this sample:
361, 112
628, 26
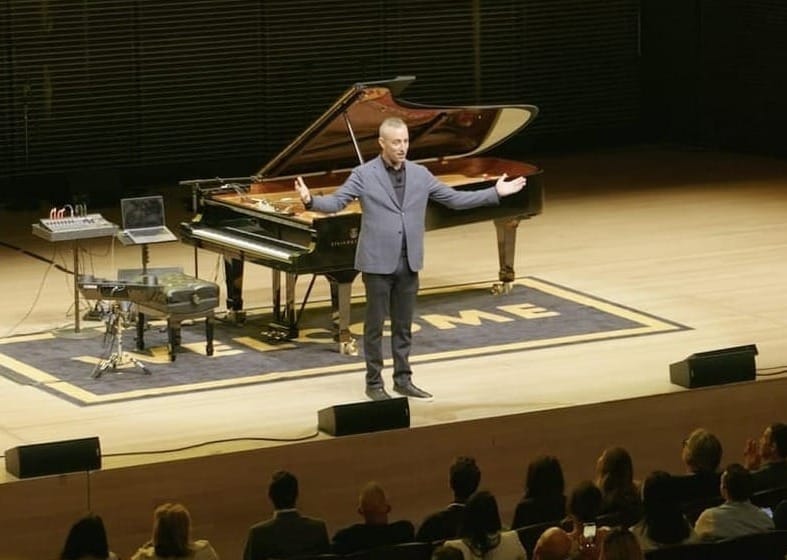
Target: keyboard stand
75, 236
119, 357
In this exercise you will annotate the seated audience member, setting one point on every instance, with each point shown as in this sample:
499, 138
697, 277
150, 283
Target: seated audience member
620, 544
584, 505
662, 523
172, 537
87, 540
553, 544
464, 477
737, 516
780, 516
702, 456
482, 535
615, 479
767, 459
287, 533
375, 530
545, 497
443, 552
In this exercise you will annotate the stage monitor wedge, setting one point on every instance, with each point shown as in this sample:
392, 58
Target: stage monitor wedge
362, 417
716, 367
57, 457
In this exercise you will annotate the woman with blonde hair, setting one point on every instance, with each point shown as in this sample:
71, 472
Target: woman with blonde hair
172, 537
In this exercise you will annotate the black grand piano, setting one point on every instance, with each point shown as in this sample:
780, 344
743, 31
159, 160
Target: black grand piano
260, 219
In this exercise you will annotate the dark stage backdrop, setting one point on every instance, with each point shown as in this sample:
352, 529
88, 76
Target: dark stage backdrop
116, 93
121, 91
714, 73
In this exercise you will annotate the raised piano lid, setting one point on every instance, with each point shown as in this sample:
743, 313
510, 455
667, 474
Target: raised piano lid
346, 135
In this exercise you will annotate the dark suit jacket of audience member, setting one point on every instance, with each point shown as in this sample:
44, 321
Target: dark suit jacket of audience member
696, 486
285, 535
442, 525
770, 475
361, 536
530, 511
780, 516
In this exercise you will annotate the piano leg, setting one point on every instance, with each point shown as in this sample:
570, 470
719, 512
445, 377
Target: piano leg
506, 251
285, 320
341, 294
140, 331
290, 318
233, 274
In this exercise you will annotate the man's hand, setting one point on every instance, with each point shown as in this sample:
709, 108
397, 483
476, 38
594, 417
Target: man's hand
505, 188
303, 190
751, 455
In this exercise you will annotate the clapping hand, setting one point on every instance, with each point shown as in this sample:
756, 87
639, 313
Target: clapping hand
751, 455
505, 188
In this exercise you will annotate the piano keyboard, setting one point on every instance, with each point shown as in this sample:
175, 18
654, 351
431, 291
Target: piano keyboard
256, 247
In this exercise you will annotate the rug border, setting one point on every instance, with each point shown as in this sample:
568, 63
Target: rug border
648, 324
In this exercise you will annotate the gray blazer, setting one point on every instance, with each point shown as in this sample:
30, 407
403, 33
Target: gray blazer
384, 221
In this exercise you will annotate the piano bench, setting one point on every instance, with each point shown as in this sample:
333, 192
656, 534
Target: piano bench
178, 297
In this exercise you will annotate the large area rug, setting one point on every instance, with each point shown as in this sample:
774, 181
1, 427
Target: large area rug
451, 323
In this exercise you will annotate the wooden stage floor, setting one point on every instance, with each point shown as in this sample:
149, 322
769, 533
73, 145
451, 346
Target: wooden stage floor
695, 237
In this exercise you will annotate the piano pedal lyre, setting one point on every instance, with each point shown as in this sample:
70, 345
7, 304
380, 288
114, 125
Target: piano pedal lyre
280, 332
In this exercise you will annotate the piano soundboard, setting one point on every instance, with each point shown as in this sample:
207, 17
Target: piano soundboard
69, 228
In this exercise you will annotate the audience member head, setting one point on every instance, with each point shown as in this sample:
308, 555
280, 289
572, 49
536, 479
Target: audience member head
773, 443
443, 552
736, 483
283, 490
172, 531
584, 504
544, 478
664, 520
481, 523
614, 470
702, 451
373, 504
86, 538
464, 478
620, 544
553, 544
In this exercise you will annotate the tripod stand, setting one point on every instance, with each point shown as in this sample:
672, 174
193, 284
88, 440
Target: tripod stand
115, 321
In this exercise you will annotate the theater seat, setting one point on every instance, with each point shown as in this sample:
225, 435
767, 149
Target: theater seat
697, 551
769, 498
404, 551
758, 546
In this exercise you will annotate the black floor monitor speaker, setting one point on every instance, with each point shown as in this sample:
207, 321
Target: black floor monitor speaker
57, 457
716, 367
361, 417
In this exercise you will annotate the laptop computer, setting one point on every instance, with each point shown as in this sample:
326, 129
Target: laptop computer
143, 220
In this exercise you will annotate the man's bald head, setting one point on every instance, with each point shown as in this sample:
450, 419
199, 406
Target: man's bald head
373, 504
553, 544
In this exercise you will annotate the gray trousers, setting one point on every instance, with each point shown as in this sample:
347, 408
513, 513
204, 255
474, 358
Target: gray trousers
392, 294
